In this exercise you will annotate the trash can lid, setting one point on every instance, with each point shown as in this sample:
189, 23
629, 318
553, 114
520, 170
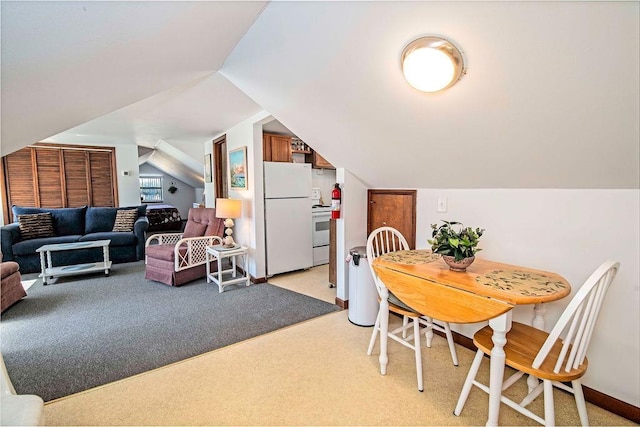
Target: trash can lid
361, 251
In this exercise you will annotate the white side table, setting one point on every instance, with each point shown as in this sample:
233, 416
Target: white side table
218, 253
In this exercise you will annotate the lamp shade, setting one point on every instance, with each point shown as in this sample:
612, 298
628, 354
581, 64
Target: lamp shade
228, 208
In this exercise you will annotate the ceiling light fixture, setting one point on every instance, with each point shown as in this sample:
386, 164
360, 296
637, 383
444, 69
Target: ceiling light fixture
431, 64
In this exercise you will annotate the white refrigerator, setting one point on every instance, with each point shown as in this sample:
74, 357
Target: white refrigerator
287, 204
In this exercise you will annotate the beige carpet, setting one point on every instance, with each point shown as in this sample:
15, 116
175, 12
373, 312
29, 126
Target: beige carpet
314, 373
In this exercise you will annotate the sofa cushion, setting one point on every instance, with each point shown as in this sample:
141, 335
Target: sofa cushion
28, 247
125, 218
36, 225
100, 219
117, 238
66, 221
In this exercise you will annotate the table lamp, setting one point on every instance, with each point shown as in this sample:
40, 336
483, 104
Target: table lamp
228, 209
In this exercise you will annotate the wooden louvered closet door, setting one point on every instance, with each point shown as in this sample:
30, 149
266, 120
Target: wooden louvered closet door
75, 177
59, 176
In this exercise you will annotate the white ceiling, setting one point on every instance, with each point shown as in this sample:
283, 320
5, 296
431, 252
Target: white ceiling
551, 98
120, 71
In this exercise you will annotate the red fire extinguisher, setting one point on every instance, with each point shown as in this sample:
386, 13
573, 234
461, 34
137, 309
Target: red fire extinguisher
336, 196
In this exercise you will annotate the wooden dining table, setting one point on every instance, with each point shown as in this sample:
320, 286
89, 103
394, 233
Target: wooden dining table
486, 291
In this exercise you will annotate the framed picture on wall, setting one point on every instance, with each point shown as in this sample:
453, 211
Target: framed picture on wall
238, 168
207, 168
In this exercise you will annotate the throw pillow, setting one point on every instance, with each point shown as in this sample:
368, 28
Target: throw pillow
37, 225
125, 218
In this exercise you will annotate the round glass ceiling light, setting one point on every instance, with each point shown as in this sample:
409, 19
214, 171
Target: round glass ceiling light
431, 64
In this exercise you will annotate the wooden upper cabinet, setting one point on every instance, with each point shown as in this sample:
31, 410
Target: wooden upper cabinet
276, 148
319, 162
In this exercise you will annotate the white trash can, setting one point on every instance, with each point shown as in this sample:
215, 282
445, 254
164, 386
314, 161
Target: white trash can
363, 296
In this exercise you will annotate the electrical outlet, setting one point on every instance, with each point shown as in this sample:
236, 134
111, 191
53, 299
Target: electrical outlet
442, 204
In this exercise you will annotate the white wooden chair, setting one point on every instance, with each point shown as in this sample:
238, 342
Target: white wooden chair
18, 409
381, 241
557, 357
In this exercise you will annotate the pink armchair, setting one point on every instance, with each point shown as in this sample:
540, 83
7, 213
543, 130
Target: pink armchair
177, 258
11, 284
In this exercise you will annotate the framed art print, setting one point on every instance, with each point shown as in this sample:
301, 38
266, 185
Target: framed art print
238, 168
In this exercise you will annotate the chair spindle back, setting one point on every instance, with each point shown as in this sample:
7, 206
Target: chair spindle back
381, 241
577, 323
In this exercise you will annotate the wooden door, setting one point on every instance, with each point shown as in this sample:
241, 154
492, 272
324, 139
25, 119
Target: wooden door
393, 208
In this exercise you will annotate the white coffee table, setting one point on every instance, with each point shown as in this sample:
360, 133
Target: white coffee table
48, 270
218, 253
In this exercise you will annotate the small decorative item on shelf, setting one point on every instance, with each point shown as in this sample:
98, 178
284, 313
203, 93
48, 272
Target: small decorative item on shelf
457, 244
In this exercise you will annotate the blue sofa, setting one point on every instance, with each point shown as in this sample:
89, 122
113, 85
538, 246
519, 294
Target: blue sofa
75, 225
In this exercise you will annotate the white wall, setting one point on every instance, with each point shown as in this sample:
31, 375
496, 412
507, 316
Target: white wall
249, 230
324, 180
351, 228
570, 232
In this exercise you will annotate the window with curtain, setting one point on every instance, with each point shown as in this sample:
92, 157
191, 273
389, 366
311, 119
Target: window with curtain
151, 188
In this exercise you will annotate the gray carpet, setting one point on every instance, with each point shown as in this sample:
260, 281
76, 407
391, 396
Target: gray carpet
85, 331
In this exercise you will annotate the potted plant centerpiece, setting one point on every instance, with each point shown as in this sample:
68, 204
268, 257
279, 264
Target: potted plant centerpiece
456, 243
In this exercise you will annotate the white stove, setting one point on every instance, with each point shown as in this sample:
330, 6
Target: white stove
320, 208
320, 220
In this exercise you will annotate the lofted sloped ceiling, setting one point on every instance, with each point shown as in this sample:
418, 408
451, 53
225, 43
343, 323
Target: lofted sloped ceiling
67, 64
550, 100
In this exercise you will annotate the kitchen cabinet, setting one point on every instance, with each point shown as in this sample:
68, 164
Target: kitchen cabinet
318, 162
276, 148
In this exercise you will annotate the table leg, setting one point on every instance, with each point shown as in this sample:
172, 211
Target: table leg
233, 263
220, 287
105, 258
245, 258
43, 267
207, 259
500, 325
538, 322
384, 328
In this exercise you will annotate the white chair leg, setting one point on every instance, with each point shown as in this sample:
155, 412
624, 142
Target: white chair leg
405, 322
384, 336
468, 383
429, 333
418, 350
374, 334
580, 403
549, 410
452, 345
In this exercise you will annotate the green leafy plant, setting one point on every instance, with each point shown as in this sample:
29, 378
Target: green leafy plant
454, 239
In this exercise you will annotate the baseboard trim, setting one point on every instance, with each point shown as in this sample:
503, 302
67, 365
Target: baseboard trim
604, 401
342, 303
